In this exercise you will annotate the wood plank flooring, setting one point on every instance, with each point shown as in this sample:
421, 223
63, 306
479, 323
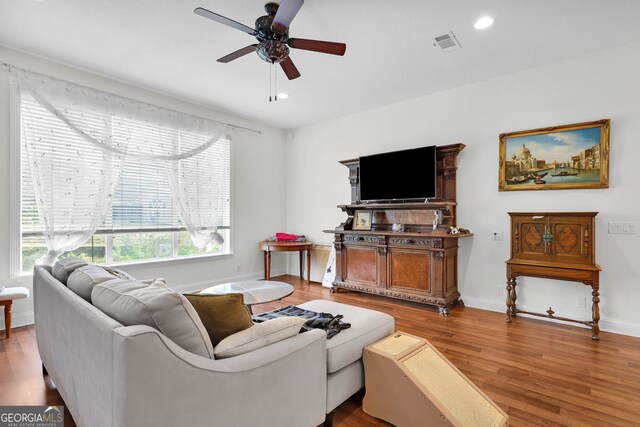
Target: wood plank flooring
540, 373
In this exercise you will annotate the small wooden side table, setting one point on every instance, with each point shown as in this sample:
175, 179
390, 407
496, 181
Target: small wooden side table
301, 247
7, 295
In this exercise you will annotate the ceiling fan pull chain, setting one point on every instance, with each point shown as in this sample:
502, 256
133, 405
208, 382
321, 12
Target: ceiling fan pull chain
275, 80
270, 91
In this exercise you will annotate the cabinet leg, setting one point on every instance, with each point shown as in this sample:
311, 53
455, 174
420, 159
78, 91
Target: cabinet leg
513, 297
444, 311
308, 267
509, 301
596, 314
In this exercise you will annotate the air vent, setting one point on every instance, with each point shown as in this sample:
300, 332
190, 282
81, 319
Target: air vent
447, 42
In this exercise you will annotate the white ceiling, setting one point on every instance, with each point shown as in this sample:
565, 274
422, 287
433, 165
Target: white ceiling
162, 45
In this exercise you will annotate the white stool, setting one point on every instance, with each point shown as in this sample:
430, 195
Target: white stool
7, 295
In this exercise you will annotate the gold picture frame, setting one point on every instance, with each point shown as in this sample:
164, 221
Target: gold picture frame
556, 158
362, 220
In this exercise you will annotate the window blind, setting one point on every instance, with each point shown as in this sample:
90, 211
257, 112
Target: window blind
142, 199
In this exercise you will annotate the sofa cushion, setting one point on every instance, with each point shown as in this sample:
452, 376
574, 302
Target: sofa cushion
63, 268
82, 280
258, 336
222, 315
367, 327
135, 303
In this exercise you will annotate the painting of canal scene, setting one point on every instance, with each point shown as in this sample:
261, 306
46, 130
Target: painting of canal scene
559, 157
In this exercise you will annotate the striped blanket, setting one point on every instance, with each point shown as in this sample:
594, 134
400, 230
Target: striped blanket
328, 322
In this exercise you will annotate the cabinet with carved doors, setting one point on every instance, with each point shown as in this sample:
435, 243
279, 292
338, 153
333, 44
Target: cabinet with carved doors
554, 245
418, 263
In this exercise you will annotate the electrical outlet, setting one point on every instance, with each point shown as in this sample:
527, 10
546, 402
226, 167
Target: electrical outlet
581, 302
496, 235
500, 291
238, 268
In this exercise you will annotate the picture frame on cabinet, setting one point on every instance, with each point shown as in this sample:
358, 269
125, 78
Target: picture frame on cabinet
362, 220
555, 158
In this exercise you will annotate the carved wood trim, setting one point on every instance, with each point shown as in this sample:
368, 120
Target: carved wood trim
428, 242
364, 239
438, 301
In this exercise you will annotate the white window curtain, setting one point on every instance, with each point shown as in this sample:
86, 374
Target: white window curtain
78, 140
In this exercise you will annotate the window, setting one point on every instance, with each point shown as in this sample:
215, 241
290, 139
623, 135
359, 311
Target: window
143, 220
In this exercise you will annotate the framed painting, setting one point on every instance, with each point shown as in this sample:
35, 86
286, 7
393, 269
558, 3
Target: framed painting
556, 158
362, 220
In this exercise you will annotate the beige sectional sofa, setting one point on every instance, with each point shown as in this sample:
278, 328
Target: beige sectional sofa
114, 375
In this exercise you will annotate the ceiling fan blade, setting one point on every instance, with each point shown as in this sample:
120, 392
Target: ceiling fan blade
287, 10
318, 46
238, 53
224, 20
290, 69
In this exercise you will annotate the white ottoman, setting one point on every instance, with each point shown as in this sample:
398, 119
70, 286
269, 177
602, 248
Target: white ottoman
7, 295
345, 371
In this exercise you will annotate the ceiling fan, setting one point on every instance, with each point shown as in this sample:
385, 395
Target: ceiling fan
272, 33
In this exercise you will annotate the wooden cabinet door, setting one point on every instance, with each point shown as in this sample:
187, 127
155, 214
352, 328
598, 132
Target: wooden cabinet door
360, 265
569, 239
409, 271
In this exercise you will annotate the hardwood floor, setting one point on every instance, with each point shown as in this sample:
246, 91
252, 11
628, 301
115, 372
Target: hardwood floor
540, 373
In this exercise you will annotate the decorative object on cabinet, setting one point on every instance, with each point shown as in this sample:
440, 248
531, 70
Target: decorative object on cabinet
554, 245
362, 220
419, 264
555, 158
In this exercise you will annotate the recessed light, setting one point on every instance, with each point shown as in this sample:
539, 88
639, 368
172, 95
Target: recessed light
484, 22
283, 96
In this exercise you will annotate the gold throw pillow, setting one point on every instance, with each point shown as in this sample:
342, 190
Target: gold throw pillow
222, 315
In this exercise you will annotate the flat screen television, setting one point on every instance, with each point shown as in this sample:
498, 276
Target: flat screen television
398, 175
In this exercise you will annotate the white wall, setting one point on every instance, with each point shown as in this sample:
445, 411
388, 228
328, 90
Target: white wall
258, 182
600, 85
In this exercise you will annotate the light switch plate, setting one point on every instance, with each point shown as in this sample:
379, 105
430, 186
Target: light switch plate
617, 227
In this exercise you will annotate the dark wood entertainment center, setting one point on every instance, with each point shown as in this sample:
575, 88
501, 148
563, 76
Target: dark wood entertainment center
418, 264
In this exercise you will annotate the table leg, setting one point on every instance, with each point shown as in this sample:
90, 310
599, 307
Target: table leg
7, 318
300, 253
308, 267
264, 257
513, 297
596, 314
509, 302
267, 271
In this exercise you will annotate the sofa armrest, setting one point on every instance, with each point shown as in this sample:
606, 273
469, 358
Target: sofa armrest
158, 383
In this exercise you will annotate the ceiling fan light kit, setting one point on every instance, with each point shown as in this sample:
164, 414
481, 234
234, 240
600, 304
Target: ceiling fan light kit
272, 33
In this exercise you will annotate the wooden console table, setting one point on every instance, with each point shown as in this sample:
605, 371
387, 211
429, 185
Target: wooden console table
301, 247
559, 246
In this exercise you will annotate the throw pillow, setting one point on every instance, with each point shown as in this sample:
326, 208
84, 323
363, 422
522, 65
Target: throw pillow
82, 280
258, 336
222, 315
63, 268
116, 272
134, 303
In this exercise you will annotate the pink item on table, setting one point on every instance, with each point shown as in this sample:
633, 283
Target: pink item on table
285, 237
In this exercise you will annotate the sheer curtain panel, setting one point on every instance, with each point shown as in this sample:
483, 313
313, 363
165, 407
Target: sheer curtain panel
84, 148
